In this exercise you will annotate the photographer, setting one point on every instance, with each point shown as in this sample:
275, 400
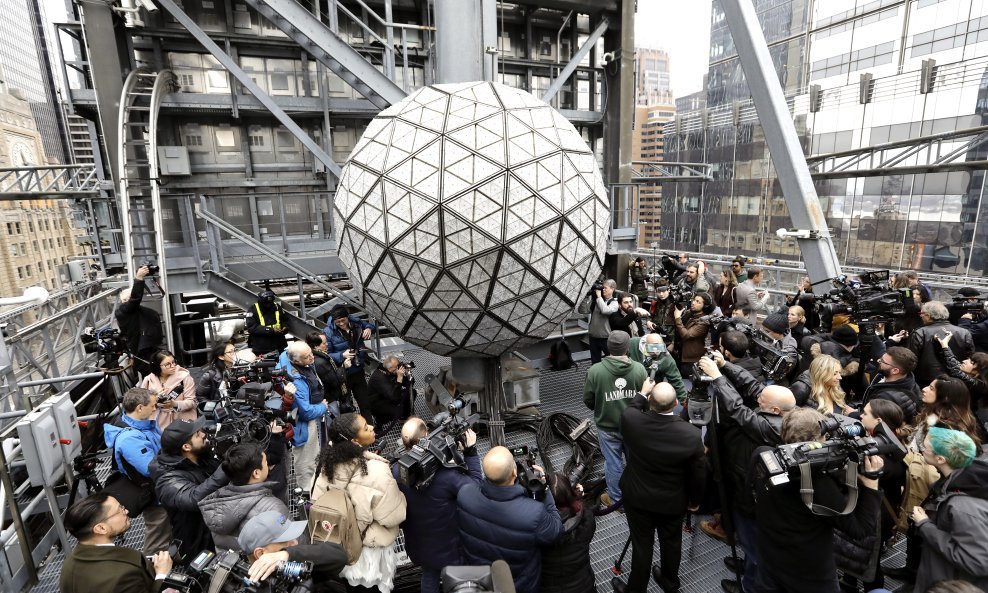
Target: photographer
390, 393
266, 325
566, 564
97, 563
432, 532
665, 477
639, 276
185, 472
734, 345
749, 297
331, 375
923, 342
269, 540
776, 327
662, 310
630, 319
175, 388
796, 546
600, 304
692, 330
140, 325
953, 521
694, 280
297, 361
651, 352
221, 358
134, 438
345, 337
740, 436
978, 329
972, 371
248, 494
500, 520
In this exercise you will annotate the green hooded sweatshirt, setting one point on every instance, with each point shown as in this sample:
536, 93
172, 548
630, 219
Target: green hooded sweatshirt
666, 365
610, 386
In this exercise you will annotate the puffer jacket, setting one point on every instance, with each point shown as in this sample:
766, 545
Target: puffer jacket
504, 522
377, 501
857, 556
337, 343
955, 539
904, 392
801, 387
210, 380
303, 391
226, 510
134, 444
180, 484
566, 563
185, 402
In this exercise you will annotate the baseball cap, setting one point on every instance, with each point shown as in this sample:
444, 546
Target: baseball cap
269, 527
178, 433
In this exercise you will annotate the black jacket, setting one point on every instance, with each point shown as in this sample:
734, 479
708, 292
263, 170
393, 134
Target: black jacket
665, 460
140, 325
977, 387
385, 393
979, 333
327, 559
566, 563
208, 385
753, 366
180, 485
904, 392
800, 388
795, 546
619, 320
330, 375
264, 337
924, 345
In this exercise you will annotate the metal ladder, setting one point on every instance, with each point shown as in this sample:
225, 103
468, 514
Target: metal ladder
138, 192
319, 40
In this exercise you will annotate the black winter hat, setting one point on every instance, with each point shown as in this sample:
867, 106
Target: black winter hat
777, 322
969, 291
845, 335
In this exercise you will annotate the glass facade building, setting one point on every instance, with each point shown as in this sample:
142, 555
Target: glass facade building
854, 76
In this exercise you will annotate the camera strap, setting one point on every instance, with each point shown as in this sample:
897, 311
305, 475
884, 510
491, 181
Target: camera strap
806, 490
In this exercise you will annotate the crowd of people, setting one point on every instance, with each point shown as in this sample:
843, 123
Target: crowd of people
922, 376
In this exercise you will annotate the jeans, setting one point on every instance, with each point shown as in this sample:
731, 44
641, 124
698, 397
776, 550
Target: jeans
598, 349
430, 580
747, 530
612, 447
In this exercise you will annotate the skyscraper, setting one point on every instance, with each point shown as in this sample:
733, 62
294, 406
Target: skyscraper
26, 63
854, 75
653, 107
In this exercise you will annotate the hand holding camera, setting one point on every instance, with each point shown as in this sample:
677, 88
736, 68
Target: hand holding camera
709, 367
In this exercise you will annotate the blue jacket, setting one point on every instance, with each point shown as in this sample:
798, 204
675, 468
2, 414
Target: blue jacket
337, 343
432, 531
306, 411
503, 522
137, 443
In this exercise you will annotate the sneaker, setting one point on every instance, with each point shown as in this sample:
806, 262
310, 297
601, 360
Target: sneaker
714, 530
605, 500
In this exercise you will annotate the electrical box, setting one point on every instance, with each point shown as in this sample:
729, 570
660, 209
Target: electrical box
63, 411
174, 160
521, 385
39, 445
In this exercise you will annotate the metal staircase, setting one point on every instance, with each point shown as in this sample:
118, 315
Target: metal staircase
326, 46
138, 191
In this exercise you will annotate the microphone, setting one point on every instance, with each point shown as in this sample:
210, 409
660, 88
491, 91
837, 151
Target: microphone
501, 577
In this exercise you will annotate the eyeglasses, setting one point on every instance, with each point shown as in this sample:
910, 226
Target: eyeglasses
120, 509
168, 365
229, 352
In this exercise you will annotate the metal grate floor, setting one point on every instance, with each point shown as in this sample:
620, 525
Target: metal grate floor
702, 567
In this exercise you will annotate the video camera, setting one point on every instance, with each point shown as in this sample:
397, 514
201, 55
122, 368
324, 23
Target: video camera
227, 572
775, 365
961, 305
847, 441
478, 579
529, 477
872, 299
152, 269
440, 448
682, 296
104, 340
699, 404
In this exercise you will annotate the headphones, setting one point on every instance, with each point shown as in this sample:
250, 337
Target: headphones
708, 302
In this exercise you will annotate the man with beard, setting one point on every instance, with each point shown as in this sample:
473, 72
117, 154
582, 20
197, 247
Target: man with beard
185, 472
97, 564
630, 319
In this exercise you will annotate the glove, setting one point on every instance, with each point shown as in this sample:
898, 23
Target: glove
289, 432
850, 369
287, 401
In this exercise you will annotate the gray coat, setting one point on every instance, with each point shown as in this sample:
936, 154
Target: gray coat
226, 510
746, 297
600, 311
955, 539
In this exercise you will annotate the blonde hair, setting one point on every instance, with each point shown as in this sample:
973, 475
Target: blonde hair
821, 371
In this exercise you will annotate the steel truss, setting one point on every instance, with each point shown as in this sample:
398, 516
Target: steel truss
58, 181
656, 172
936, 153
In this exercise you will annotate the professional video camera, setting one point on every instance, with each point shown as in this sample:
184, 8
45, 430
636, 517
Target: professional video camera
681, 295
846, 447
871, 300
478, 579
104, 340
529, 477
775, 365
227, 572
699, 404
440, 448
973, 305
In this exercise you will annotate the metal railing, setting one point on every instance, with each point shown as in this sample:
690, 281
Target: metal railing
57, 181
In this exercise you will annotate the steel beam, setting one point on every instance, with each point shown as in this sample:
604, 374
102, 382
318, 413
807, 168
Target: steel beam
251, 86
571, 66
657, 172
327, 47
60, 181
783, 142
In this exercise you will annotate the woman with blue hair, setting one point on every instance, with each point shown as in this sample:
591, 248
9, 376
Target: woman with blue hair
953, 520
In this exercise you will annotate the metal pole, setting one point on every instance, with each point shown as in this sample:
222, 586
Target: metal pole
60, 379
783, 142
19, 527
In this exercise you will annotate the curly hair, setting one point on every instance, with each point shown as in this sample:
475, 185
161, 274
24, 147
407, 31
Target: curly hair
952, 407
821, 371
341, 449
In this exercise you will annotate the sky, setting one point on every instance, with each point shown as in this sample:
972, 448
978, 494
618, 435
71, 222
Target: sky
682, 28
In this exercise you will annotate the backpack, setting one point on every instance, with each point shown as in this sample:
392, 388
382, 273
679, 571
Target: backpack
333, 519
560, 357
